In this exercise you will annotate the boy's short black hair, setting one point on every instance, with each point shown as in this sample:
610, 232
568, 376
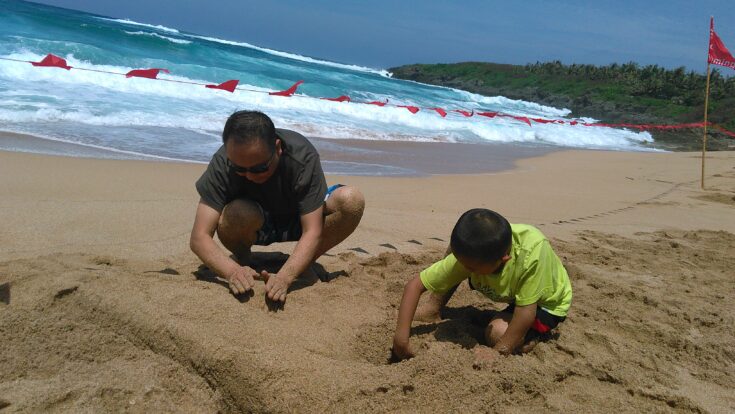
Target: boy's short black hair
247, 126
481, 234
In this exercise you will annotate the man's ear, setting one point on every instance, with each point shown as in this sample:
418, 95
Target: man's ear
279, 149
505, 258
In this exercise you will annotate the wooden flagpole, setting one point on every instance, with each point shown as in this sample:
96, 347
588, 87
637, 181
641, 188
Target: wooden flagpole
704, 138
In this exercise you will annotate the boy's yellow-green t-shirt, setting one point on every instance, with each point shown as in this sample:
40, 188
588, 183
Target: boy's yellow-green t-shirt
534, 274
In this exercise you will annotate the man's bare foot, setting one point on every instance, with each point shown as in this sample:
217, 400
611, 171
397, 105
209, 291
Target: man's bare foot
484, 357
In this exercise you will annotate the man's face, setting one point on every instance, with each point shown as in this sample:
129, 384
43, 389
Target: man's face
255, 160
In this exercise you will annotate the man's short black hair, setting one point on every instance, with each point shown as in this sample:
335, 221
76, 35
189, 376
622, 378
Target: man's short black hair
247, 126
481, 234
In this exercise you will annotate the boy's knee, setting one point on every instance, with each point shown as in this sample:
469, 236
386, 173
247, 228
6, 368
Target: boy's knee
494, 331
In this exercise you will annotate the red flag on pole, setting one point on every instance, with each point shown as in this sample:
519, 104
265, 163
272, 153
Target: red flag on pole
228, 86
718, 53
145, 73
52, 61
379, 103
440, 111
288, 92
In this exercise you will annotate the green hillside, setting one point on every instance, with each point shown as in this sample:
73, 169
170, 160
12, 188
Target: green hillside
626, 93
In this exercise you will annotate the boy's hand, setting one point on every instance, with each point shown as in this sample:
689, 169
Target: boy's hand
242, 280
401, 351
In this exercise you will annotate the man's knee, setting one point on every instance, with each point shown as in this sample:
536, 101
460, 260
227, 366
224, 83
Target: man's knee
348, 200
240, 216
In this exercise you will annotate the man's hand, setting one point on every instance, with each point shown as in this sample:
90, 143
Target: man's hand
242, 280
276, 287
401, 350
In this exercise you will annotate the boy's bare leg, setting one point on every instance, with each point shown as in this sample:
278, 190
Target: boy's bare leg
238, 228
343, 210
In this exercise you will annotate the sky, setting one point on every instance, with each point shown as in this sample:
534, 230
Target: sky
387, 33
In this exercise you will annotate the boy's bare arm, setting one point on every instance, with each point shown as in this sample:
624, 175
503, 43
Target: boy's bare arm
411, 294
523, 317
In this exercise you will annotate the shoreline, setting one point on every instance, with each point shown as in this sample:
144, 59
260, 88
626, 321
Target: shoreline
339, 156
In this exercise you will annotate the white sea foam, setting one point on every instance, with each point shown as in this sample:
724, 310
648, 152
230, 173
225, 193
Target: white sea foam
151, 34
134, 23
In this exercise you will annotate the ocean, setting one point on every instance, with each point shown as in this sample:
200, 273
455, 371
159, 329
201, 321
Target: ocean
152, 119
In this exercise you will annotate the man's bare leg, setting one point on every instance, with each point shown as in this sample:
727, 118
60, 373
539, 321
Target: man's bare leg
238, 228
343, 210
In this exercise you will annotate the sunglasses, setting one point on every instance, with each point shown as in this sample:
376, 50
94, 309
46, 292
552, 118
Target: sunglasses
255, 169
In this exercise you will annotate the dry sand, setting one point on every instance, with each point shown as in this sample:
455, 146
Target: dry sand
103, 308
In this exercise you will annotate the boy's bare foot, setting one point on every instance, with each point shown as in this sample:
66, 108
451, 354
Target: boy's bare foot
528, 346
484, 357
427, 313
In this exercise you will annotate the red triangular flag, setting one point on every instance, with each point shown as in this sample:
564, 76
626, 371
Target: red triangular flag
440, 111
378, 103
288, 92
718, 53
465, 113
228, 86
342, 98
542, 120
488, 114
52, 61
413, 109
145, 73
522, 119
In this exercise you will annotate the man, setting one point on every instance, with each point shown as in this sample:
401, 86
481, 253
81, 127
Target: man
266, 185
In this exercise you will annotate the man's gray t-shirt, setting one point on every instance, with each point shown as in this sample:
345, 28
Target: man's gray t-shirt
296, 188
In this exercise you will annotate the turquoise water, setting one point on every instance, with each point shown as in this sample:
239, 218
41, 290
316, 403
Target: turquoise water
140, 118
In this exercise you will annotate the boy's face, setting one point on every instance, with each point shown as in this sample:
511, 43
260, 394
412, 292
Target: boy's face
481, 267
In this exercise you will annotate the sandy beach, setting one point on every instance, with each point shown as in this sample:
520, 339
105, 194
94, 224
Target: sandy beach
103, 308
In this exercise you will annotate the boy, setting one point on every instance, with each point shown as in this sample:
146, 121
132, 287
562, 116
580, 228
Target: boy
507, 263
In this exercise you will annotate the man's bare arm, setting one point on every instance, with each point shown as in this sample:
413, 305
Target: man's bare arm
312, 225
202, 244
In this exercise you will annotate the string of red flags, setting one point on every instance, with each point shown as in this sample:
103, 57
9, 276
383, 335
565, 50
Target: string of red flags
718, 55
